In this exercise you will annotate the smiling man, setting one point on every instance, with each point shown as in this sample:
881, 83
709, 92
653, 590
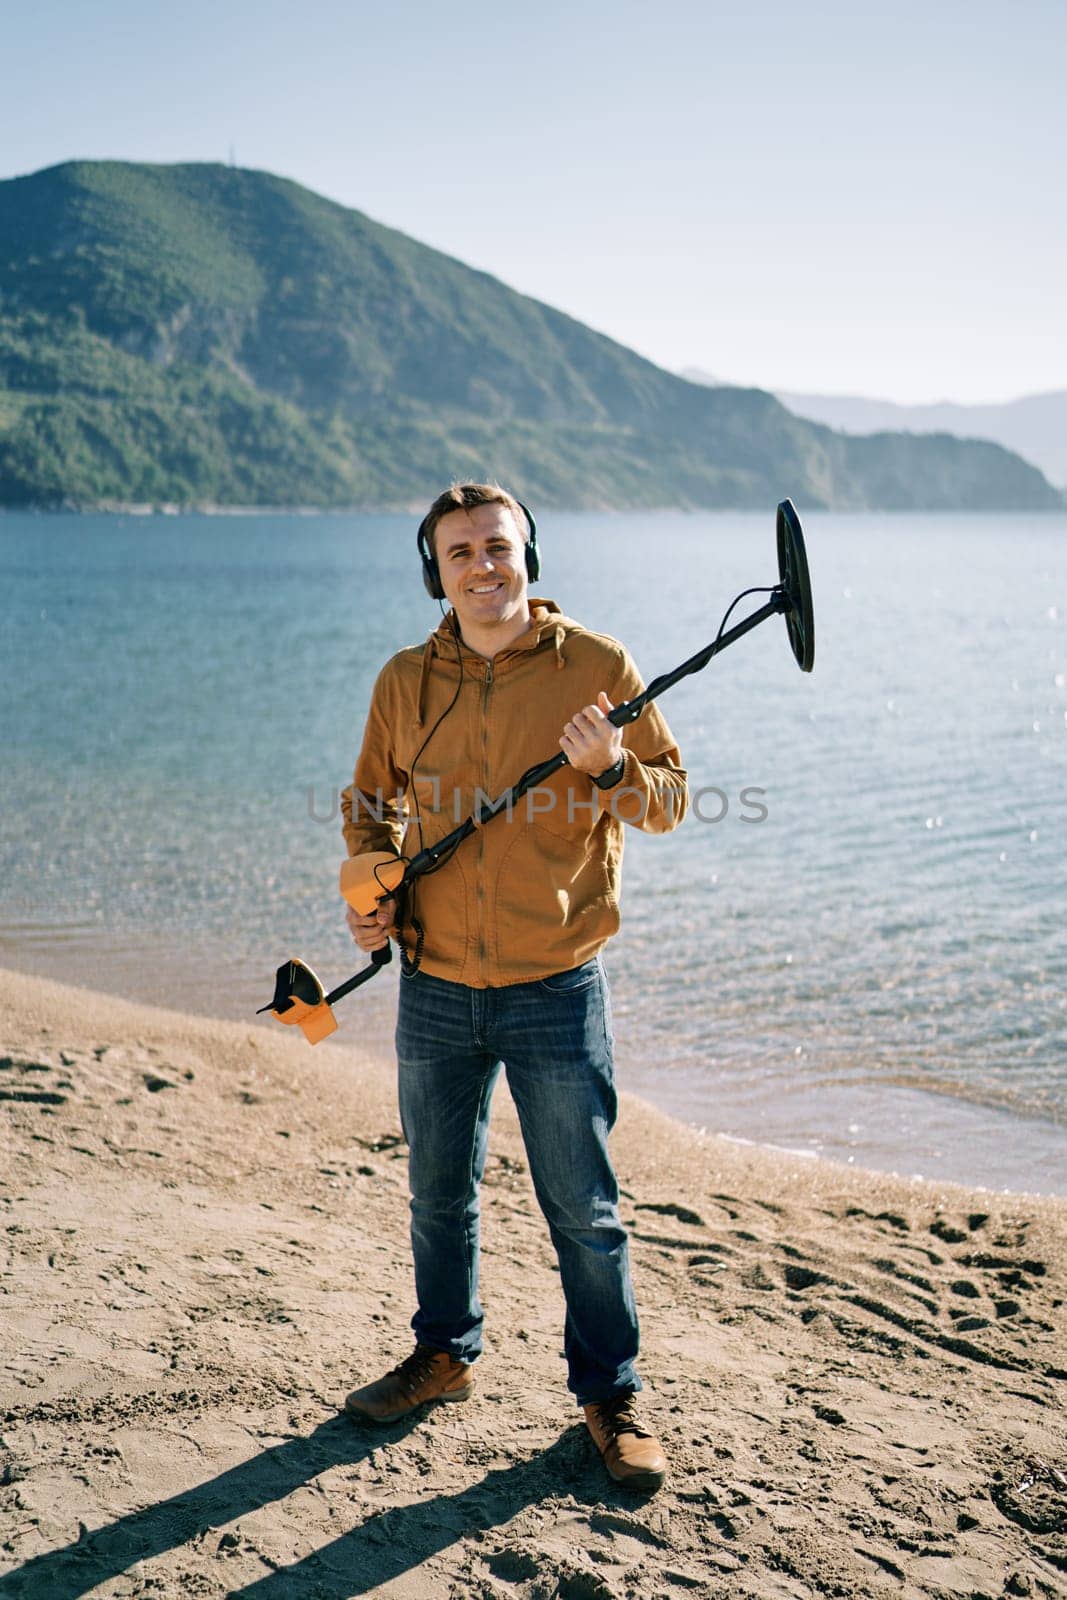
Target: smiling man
501, 964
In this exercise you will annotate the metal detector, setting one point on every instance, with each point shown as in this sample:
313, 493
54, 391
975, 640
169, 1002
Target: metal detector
368, 879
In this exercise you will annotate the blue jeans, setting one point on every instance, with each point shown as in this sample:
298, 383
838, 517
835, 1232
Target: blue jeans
554, 1039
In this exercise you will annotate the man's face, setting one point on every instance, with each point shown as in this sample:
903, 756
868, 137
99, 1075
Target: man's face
480, 555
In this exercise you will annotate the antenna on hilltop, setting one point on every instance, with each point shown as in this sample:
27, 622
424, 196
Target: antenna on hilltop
233, 156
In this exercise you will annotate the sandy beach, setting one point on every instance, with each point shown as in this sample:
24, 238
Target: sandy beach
859, 1380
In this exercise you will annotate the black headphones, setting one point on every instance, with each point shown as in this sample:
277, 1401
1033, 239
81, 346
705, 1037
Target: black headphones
431, 575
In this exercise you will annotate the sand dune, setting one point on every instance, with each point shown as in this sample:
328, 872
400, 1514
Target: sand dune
859, 1380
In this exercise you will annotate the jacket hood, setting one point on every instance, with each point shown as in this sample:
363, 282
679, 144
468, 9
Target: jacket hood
547, 622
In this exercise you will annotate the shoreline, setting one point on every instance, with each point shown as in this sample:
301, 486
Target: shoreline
40, 995
122, 970
856, 1377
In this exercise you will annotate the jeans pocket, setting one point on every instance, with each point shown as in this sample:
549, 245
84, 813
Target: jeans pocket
575, 978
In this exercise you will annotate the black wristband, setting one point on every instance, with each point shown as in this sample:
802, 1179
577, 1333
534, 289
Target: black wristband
608, 780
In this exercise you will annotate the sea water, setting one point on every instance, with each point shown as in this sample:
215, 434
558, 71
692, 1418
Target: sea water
856, 943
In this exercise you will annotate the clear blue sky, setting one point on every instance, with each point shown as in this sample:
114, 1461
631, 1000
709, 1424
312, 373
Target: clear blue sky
830, 197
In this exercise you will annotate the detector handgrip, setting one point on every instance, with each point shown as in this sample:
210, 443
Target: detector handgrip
370, 878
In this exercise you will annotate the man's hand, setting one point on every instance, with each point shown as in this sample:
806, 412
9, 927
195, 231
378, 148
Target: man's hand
372, 932
590, 742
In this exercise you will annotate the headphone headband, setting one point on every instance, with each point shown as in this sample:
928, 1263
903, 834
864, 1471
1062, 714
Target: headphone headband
431, 572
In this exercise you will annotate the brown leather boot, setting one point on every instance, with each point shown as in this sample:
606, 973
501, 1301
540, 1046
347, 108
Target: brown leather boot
425, 1375
631, 1454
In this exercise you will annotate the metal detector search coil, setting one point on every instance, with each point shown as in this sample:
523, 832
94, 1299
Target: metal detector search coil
796, 586
368, 879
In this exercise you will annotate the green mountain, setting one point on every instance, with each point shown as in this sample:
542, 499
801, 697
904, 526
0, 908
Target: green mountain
202, 334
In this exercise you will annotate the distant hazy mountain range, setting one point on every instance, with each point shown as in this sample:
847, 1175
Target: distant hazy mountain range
206, 335
1035, 427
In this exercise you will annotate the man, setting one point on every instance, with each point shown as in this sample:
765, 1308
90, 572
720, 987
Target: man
502, 947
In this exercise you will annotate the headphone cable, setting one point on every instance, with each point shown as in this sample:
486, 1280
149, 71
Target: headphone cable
412, 964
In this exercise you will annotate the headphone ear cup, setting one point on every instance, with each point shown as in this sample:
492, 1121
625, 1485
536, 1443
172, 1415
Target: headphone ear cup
431, 577
533, 562
532, 553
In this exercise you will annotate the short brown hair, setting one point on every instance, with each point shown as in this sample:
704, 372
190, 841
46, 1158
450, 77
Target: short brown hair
464, 497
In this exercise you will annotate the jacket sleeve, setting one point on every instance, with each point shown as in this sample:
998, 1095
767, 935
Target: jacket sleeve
372, 807
653, 792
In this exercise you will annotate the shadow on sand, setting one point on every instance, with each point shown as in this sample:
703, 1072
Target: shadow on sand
381, 1547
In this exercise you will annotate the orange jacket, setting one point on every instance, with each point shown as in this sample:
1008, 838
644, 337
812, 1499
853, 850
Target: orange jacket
532, 893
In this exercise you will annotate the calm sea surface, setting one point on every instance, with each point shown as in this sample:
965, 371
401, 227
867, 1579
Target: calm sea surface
875, 971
